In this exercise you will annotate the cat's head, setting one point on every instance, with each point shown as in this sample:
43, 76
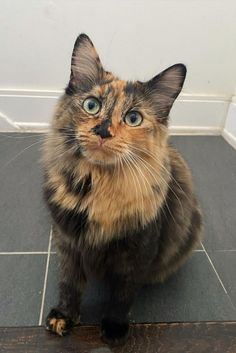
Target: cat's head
109, 119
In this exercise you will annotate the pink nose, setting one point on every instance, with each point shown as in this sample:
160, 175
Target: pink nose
101, 141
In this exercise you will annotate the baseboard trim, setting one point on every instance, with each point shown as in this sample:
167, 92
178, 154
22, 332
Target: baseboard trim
26, 110
231, 139
195, 130
33, 127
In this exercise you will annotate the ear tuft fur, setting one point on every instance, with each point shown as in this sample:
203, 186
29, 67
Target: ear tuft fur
164, 88
86, 67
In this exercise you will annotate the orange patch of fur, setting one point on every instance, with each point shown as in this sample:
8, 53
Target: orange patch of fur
58, 326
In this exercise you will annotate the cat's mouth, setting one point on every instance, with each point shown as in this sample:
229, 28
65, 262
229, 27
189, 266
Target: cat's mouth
100, 144
100, 152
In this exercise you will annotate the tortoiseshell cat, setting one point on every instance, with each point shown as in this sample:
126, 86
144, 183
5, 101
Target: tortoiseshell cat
120, 196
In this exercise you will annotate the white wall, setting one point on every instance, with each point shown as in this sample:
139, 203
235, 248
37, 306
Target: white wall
229, 131
135, 38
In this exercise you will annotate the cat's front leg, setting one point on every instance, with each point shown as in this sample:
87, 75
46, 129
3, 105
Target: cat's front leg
65, 315
115, 324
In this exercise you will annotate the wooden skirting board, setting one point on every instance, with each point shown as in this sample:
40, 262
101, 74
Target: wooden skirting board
203, 337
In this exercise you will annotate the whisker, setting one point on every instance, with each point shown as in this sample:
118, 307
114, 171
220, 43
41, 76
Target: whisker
165, 202
134, 177
167, 184
114, 169
28, 147
18, 154
164, 197
155, 157
6, 136
140, 171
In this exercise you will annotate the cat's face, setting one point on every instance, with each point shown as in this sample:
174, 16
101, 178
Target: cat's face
111, 119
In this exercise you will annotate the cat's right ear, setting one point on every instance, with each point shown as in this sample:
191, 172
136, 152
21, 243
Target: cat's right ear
86, 67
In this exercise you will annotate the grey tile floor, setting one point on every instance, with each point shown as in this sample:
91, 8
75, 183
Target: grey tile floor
203, 289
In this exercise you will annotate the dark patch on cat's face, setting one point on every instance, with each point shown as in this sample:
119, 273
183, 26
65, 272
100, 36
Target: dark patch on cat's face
133, 89
110, 97
102, 129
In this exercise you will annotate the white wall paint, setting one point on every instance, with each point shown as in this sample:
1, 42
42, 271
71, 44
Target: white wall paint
135, 38
229, 131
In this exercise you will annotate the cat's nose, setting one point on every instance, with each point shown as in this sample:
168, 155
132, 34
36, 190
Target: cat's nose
102, 129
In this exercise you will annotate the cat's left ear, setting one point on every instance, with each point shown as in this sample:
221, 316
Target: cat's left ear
86, 67
163, 89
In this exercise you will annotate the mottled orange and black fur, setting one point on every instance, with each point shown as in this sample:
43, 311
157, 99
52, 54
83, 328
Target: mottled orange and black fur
120, 196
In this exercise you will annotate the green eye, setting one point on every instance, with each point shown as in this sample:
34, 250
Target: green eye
92, 105
133, 119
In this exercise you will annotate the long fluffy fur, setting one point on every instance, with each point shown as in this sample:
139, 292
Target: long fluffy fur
126, 212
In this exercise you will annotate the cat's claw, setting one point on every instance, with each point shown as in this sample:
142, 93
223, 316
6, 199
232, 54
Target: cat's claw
114, 333
58, 323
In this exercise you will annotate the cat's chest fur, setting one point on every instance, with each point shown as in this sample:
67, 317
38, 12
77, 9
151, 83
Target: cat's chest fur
114, 200
120, 195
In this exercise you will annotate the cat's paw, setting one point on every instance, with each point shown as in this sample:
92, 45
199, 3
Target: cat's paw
58, 323
114, 333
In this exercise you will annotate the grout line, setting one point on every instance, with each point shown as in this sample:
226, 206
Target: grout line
45, 279
27, 253
231, 250
218, 276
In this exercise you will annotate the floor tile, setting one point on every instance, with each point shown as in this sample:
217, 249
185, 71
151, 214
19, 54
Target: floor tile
225, 264
25, 223
21, 278
193, 294
213, 163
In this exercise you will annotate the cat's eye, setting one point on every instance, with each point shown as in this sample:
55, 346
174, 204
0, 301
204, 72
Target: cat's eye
133, 118
92, 105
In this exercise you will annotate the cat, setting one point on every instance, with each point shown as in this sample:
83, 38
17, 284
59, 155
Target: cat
120, 196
